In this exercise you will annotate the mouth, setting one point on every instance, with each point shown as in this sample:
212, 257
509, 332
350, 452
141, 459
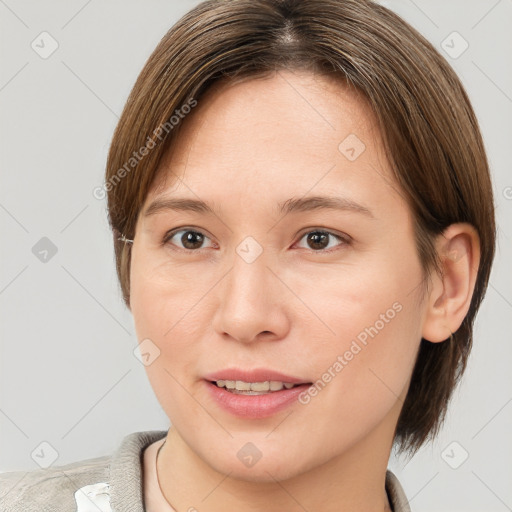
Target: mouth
254, 393
240, 387
254, 399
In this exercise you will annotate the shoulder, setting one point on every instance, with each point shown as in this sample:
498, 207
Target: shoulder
51, 489
114, 478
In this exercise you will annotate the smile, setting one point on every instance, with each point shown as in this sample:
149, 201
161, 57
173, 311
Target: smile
253, 388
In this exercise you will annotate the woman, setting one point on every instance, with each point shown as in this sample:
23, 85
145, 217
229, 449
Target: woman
304, 230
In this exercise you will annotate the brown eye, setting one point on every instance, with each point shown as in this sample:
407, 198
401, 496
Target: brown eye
319, 240
189, 240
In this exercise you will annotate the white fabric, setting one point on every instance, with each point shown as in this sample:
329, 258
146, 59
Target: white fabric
93, 498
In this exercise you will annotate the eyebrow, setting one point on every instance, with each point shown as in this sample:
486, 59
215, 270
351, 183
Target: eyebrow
302, 204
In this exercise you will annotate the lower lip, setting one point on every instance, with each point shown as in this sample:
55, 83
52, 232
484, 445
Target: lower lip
255, 406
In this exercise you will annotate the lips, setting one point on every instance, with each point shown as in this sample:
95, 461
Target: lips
270, 391
254, 405
255, 375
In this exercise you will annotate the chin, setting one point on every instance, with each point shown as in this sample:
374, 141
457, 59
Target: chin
261, 472
249, 464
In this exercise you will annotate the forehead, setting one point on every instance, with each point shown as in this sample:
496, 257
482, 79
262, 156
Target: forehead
278, 136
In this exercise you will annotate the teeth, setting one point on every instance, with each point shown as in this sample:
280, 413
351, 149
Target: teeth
260, 387
243, 386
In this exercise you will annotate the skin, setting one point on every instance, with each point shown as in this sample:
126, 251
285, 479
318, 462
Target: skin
244, 148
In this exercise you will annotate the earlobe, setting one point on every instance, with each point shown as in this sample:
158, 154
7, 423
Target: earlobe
450, 297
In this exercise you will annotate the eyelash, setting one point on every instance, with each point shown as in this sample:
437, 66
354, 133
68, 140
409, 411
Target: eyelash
170, 234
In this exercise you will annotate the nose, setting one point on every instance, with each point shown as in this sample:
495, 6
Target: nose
250, 303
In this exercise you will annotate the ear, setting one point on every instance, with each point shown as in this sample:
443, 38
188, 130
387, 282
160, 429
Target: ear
450, 296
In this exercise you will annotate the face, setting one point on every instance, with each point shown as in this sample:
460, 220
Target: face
322, 296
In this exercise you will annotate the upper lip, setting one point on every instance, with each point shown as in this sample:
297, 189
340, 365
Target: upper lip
255, 375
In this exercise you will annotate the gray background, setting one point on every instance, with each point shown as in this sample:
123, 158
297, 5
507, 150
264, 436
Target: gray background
68, 373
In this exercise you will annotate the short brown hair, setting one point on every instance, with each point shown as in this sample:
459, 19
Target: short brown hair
430, 132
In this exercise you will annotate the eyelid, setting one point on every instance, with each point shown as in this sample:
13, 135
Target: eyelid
170, 234
321, 229
343, 238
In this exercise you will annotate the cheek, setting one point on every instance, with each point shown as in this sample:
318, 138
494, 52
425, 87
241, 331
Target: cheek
362, 375
167, 317
162, 296
171, 309
366, 324
171, 320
